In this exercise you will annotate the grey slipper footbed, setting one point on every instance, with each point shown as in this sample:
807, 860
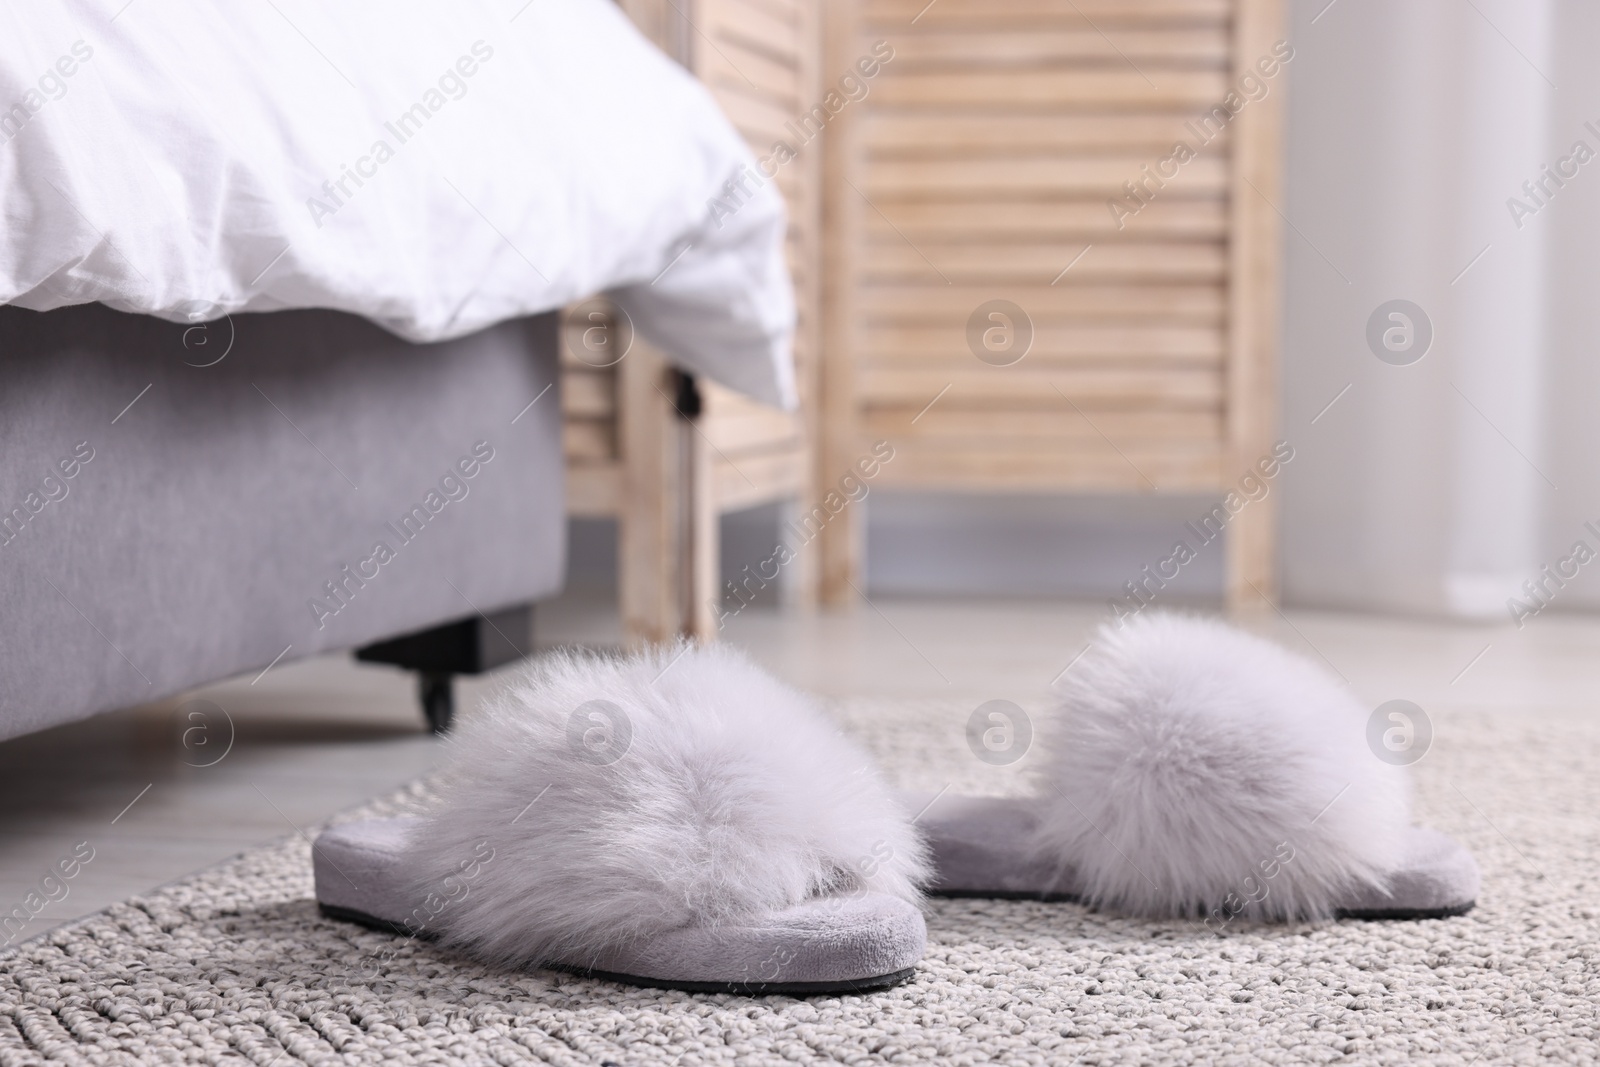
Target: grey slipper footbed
981, 848
846, 943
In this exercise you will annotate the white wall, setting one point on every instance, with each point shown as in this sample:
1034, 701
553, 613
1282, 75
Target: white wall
1409, 125
1443, 486
1572, 235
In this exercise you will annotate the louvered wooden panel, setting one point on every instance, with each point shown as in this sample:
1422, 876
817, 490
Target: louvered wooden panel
1045, 425
1095, 388
899, 303
1061, 178
1032, 15
979, 168
1203, 47
1074, 345
934, 136
1087, 466
1052, 223
986, 153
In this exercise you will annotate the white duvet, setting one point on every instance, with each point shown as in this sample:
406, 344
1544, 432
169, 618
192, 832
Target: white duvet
435, 168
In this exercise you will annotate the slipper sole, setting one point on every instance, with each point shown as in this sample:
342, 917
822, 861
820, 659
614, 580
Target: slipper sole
836, 945
982, 848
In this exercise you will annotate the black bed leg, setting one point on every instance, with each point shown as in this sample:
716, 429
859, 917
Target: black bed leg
438, 700
467, 646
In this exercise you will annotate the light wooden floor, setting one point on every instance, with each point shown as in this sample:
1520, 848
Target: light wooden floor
314, 737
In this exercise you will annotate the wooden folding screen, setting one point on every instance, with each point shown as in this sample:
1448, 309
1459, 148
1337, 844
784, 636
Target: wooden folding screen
1029, 285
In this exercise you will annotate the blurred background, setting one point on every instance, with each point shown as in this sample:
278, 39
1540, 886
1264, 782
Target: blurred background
1431, 153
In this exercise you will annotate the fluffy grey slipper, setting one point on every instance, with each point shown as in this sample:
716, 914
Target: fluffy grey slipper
1191, 769
678, 819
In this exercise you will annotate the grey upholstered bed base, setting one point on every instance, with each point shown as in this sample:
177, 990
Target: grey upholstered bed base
323, 484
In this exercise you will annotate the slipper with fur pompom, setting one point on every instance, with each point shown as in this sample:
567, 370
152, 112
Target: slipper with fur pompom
677, 819
1193, 770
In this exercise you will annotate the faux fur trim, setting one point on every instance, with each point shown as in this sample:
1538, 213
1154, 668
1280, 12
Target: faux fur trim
702, 791
1193, 768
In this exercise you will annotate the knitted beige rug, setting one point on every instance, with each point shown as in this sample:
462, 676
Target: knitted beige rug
234, 965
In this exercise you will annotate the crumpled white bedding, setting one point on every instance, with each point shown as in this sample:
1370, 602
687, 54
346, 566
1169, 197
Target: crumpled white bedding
433, 167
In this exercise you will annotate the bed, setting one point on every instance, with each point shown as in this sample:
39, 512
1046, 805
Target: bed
278, 370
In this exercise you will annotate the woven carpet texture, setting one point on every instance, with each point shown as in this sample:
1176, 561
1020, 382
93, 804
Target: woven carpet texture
234, 965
